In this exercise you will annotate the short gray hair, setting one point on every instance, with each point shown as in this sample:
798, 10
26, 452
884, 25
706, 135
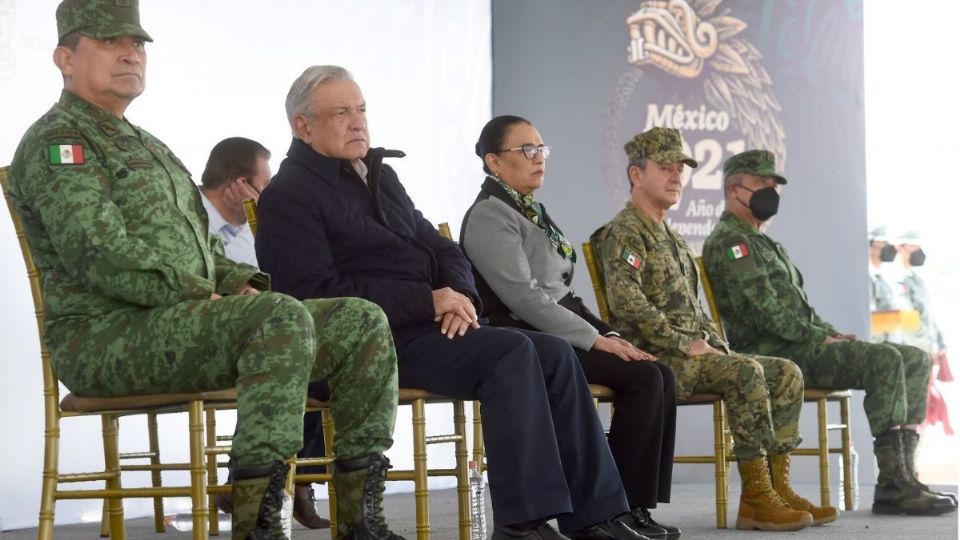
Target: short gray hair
298, 98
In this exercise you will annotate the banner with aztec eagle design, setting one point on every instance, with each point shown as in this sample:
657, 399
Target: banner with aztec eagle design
698, 66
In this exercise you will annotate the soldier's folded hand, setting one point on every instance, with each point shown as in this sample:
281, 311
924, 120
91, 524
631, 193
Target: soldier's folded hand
699, 347
622, 348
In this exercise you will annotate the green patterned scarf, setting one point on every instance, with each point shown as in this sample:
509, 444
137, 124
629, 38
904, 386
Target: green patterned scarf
534, 211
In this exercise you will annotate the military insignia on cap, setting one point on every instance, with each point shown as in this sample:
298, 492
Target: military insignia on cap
65, 154
630, 258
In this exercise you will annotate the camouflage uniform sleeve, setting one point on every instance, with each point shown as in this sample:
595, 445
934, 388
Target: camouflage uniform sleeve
824, 325
624, 289
88, 232
750, 290
233, 276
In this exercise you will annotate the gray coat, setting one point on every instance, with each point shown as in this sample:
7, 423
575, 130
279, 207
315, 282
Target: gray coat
522, 268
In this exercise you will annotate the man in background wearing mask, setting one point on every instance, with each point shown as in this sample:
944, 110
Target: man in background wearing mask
882, 297
765, 310
928, 337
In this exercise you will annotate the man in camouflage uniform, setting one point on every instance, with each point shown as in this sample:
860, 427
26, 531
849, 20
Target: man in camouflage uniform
651, 284
766, 311
140, 298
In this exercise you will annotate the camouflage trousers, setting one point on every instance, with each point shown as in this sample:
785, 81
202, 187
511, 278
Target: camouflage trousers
763, 396
894, 376
269, 346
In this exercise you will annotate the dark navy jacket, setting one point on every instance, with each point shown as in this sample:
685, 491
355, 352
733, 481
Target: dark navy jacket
323, 234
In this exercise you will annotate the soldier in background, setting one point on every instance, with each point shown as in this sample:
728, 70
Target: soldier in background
928, 337
140, 298
882, 297
765, 310
651, 285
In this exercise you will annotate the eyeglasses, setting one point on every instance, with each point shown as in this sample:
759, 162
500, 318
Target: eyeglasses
530, 150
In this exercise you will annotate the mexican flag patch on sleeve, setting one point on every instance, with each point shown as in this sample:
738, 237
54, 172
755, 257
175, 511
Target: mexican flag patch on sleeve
630, 258
66, 154
738, 251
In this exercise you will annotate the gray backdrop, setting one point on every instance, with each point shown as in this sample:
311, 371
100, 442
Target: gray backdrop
565, 66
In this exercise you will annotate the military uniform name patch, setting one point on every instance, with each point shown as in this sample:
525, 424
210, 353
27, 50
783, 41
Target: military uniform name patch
66, 154
738, 251
630, 258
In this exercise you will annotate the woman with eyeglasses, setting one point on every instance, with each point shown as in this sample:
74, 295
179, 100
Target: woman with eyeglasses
524, 267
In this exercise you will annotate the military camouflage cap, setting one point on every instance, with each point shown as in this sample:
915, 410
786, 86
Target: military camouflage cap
878, 234
100, 18
659, 144
755, 162
909, 237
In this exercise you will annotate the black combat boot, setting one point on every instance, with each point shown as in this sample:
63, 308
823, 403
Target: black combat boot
895, 492
258, 496
359, 486
910, 439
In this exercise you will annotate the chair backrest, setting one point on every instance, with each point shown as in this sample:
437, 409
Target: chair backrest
444, 229
711, 299
596, 278
51, 388
250, 209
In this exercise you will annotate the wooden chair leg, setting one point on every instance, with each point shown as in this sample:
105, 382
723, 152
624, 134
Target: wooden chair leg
213, 478
478, 450
155, 477
420, 469
104, 520
326, 420
823, 449
720, 463
111, 460
198, 471
463, 482
846, 445
49, 484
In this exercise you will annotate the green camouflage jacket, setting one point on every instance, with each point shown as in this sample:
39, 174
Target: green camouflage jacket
928, 337
113, 218
651, 284
758, 291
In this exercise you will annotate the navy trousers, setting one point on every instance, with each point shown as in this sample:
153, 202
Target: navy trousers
546, 451
313, 429
643, 427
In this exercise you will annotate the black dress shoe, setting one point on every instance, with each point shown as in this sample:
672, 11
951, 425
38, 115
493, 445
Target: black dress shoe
644, 514
640, 523
543, 532
611, 529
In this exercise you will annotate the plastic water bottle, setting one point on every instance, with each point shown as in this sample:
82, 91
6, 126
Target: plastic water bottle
184, 522
855, 488
286, 515
478, 507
